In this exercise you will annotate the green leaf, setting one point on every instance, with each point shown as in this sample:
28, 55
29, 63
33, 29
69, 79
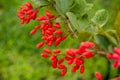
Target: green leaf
73, 20
81, 7
42, 2
64, 5
102, 41
100, 18
111, 39
84, 23
80, 24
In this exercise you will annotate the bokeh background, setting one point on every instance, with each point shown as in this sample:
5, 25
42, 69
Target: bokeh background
19, 58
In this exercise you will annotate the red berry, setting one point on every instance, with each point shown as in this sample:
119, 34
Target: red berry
63, 37
61, 61
33, 31
29, 5
82, 69
75, 68
47, 50
39, 45
88, 54
116, 50
64, 71
56, 51
53, 58
57, 25
41, 18
70, 52
22, 21
61, 67
98, 76
29, 12
58, 32
37, 27
54, 64
44, 55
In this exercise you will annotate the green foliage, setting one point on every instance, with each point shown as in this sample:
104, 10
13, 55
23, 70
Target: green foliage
102, 41
100, 18
20, 59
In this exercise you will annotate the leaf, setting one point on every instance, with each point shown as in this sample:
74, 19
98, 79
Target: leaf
42, 2
81, 7
111, 39
73, 20
84, 23
102, 41
64, 5
100, 18
80, 24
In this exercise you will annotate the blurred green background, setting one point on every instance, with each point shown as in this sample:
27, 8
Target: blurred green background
19, 58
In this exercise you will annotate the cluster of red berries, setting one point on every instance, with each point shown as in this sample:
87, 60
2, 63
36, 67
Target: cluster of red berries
26, 13
115, 57
51, 33
74, 57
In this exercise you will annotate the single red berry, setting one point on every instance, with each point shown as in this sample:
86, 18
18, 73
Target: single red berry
44, 55
57, 25
51, 37
116, 50
61, 67
61, 61
22, 21
70, 62
88, 54
48, 32
56, 51
58, 32
39, 45
33, 31
63, 37
75, 68
82, 69
50, 43
54, 63
27, 20
41, 18
37, 27
70, 52
98, 76
47, 50
29, 5
53, 57
64, 71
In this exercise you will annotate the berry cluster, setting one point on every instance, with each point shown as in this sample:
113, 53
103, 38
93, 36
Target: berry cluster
51, 33
74, 57
115, 57
26, 13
